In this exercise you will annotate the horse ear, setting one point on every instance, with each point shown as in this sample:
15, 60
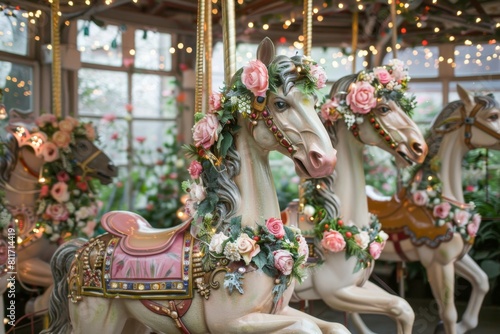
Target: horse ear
466, 97
266, 51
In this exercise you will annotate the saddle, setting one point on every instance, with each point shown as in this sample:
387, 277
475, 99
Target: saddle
138, 237
399, 216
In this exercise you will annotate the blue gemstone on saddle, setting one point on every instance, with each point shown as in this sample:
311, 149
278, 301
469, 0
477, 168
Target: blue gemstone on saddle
260, 99
169, 285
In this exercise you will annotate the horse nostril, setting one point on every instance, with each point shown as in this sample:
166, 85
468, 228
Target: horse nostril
316, 159
111, 166
417, 148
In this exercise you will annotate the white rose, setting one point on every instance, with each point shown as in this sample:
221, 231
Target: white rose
82, 213
362, 239
197, 192
383, 235
217, 241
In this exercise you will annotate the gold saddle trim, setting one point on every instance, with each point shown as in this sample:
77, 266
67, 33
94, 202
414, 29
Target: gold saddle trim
138, 236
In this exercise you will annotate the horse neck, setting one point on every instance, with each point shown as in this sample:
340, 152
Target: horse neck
255, 182
350, 182
21, 188
450, 154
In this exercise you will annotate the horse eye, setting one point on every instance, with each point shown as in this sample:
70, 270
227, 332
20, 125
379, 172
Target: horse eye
281, 105
493, 117
82, 146
384, 109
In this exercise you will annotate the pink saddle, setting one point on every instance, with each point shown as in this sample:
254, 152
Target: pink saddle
138, 237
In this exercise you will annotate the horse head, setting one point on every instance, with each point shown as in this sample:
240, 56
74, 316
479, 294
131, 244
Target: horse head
92, 162
376, 110
285, 119
477, 116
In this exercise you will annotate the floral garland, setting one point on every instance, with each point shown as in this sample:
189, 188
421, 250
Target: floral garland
274, 248
462, 218
66, 205
336, 236
389, 80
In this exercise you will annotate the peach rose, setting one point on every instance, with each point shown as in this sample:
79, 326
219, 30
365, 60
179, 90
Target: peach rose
57, 212
247, 247
442, 210
361, 97
376, 249
90, 131
275, 227
329, 111
255, 78
333, 241
283, 261
66, 125
420, 197
60, 192
50, 152
461, 217
205, 131
382, 75
195, 169
61, 139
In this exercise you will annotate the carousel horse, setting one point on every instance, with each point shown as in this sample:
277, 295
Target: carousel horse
428, 220
20, 170
215, 272
341, 279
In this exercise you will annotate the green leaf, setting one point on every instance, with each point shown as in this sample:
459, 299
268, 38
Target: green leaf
491, 268
225, 144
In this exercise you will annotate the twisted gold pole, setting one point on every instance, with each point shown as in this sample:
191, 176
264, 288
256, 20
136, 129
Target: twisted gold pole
200, 38
394, 29
208, 51
229, 40
56, 60
307, 28
354, 43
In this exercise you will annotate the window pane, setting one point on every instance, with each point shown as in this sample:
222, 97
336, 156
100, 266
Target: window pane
154, 96
336, 62
148, 137
14, 32
113, 139
422, 61
477, 60
479, 87
429, 99
16, 82
152, 50
99, 45
99, 93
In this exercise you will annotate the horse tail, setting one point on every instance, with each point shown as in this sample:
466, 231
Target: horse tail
60, 265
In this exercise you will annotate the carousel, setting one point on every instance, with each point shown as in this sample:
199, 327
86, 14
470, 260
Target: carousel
102, 232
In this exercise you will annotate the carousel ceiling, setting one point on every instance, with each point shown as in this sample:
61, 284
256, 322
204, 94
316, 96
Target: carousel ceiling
418, 22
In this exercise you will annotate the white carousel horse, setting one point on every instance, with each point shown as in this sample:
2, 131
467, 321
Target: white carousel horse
341, 280
208, 291
20, 170
429, 222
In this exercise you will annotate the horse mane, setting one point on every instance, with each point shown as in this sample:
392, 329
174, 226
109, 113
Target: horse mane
8, 159
228, 193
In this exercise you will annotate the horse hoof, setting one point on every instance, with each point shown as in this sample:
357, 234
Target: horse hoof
30, 306
439, 328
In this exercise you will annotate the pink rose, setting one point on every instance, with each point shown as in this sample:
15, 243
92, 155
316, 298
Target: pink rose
57, 212
420, 197
109, 118
329, 110
140, 139
283, 261
189, 207
129, 108
362, 239
275, 227
195, 169
50, 152
89, 228
90, 131
45, 119
398, 69
255, 78
61, 139
319, 75
62, 176
215, 101
247, 247
376, 249
44, 191
60, 192
461, 217
473, 226
361, 97
66, 125
303, 246
442, 210
333, 241
115, 136
205, 131
382, 75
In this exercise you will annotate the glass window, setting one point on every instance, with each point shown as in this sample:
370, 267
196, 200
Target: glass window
148, 137
16, 82
477, 60
100, 45
337, 62
429, 97
152, 50
14, 31
154, 96
476, 87
422, 61
99, 93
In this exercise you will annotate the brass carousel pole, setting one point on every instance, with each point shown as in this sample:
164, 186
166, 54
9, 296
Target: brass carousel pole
229, 40
208, 51
394, 29
56, 59
200, 36
354, 42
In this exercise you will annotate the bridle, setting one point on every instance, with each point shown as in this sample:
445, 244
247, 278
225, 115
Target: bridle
468, 122
378, 127
84, 165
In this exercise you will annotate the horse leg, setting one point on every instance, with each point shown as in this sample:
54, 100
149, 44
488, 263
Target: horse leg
325, 326
98, 315
370, 298
467, 268
442, 281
